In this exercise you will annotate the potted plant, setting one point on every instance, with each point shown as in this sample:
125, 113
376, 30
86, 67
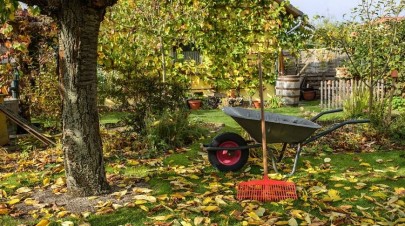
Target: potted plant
194, 102
308, 93
256, 103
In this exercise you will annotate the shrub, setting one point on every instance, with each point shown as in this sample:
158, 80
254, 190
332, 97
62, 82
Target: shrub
397, 127
357, 104
398, 103
274, 102
169, 130
150, 96
159, 115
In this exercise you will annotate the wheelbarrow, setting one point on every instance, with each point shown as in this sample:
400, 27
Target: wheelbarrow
230, 152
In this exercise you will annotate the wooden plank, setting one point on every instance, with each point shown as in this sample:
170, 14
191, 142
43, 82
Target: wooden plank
26, 125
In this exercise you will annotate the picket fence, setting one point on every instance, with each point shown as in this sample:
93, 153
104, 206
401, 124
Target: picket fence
333, 93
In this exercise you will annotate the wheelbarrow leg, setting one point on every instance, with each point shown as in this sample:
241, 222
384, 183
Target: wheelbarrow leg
297, 157
282, 153
273, 159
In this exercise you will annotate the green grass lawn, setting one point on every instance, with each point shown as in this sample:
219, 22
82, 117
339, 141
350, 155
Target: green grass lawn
354, 187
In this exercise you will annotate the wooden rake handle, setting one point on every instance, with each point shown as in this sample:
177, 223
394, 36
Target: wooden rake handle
262, 121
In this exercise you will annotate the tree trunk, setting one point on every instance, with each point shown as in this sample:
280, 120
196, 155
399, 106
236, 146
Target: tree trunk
83, 156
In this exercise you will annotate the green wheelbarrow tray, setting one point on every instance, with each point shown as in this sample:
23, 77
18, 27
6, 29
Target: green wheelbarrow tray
230, 152
279, 128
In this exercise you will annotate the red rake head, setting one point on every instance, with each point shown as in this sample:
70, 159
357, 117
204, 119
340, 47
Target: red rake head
266, 190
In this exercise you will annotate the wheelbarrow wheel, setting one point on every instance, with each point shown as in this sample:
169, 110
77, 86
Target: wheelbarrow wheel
232, 160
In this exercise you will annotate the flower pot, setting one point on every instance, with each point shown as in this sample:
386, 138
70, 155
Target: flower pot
194, 104
394, 74
308, 94
256, 104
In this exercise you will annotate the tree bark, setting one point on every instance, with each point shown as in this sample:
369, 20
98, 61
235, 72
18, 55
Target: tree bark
82, 147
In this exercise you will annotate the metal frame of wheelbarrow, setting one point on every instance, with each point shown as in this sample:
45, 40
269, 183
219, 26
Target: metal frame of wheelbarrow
233, 143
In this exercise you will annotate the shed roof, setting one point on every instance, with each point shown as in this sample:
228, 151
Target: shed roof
291, 9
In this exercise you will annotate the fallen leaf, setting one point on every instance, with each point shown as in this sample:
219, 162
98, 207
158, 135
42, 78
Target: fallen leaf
4, 211
116, 206
292, 222
254, 216
220, 201
145, 197
210, 208
43, 222
297, 214
162, 218
141, 190
207, 200
198, 220
61, 181
30, 202
379, 194
3, 194
62, 214
400, 191
260, 211
144, 208
86, 214
365, 164
67, 223
333, 195
362, 208
13, 201
23, 190
46, 181
184, 223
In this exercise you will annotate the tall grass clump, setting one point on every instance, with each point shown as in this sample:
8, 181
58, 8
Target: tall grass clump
357, 104
169, 130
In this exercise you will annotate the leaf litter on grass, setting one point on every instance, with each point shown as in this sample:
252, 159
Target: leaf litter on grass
198, 195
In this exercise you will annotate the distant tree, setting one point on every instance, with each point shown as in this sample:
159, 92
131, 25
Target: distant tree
372, 40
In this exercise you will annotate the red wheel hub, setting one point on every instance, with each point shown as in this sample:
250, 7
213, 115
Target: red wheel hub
226, 157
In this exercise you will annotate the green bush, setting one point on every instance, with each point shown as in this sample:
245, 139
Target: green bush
397, 127
150, 96
357, 104
159, 115
169, 130
393, 128
398, 103
274, 102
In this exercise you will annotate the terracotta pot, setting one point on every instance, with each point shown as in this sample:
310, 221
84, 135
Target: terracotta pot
194, 104
309, 94
394, 73
256, 104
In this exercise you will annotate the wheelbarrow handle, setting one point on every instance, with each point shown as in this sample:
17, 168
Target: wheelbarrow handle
333, 128
326, 112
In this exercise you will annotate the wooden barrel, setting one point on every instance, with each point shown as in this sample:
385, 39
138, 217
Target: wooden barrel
288, 88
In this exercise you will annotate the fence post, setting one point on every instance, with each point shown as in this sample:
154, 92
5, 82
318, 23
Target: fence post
321, 93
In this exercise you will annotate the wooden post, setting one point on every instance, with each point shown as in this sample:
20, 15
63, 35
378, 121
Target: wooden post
281, 67
322, 94
4, 139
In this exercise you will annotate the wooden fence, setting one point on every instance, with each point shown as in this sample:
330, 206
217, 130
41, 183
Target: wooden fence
333, 93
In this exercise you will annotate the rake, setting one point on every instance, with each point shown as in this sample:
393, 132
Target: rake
265, 189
